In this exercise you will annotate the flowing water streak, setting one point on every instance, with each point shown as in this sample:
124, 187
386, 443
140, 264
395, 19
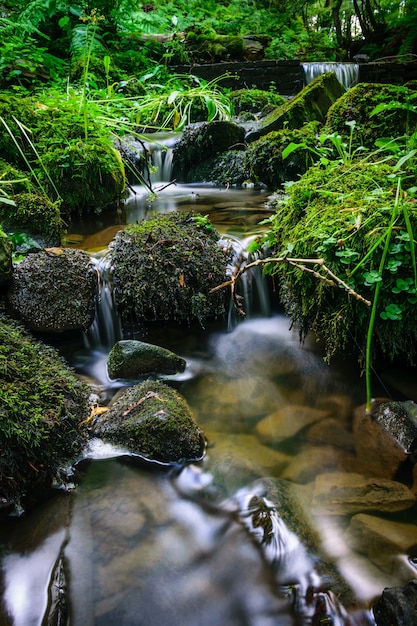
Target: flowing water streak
106, 328
346, 73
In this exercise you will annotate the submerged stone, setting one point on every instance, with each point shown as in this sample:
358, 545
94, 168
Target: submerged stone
379, 450
154, 421
133, 359
343, 493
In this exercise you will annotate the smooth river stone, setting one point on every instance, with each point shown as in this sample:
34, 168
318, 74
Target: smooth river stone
313, 460
385, 542
287, 421
344, 493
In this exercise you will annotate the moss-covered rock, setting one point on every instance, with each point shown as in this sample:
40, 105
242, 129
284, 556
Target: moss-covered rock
204, 44
254, 100
132, 359
165, 267
54, 291
357, 105
228, 168
154, 421
310, 104
36, 215
201, 142
342, 214
264, 157
5, 258
69, 149
41, 404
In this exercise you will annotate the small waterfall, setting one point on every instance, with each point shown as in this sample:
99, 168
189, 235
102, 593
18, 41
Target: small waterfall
252, 288
106, 329
160, 149
346, 73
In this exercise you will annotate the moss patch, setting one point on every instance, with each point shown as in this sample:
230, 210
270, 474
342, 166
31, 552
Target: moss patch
340, 214
165, 267
41, 405
153, 420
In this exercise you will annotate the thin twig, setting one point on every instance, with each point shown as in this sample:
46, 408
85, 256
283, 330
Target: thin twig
301, 264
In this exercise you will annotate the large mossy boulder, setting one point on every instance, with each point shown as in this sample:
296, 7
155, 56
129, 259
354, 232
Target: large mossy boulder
41, 404
132, 359
201, 142
5, 259
165, 267
53, 291
342, 214
154, 421
310, 104
397, 117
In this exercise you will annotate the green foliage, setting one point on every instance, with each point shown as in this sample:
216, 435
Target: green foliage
254, 100
351, 217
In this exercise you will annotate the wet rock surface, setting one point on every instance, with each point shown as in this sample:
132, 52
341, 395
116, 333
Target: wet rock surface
152, 420
132, 359
54, 291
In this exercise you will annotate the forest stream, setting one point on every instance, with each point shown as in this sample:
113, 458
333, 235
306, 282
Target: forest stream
143, 544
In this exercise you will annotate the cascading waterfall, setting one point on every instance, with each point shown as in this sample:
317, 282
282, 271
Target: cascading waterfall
347, 73
106, 328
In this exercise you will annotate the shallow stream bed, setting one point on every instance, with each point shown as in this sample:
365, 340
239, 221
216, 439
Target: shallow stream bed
138, 544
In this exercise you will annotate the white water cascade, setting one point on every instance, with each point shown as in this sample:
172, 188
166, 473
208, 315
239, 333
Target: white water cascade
346, 73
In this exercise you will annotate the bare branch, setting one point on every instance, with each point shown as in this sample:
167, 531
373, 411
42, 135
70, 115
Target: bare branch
329, 278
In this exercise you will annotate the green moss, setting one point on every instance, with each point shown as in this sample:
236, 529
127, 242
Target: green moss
153, 420
357, 105
165, 267
339, 214
41, 405
254, 100
89, 175
204, 44
33, 213
264, 160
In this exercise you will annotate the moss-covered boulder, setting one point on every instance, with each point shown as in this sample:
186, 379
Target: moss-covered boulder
132, 359
54, 291
254, 100
201, 142
165, 267
152, 420
228, 168
264, 156
310, 104
356, 105
35, 215
342, 214
41, 404
70, 151
5, 258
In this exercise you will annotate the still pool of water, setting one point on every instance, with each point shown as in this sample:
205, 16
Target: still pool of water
138, 544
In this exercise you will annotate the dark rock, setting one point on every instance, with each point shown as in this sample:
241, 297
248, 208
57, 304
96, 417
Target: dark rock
200, 142
54, 291
399, 419
154, 421
397, 606
133, 359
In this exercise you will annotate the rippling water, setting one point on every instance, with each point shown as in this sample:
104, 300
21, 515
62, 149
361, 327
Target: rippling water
145, 545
